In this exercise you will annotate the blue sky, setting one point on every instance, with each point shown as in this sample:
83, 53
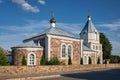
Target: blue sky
20, 19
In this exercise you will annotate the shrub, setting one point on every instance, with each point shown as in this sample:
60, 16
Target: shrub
54, 61
69, 60
43, 61
114, 59
24, 60
3, 59
98, 61
81, 61
90, 61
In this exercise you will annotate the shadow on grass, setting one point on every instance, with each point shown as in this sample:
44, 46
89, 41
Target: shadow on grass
113, 74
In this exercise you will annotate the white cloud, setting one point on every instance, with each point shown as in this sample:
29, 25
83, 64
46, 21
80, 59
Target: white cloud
42, 2
29, 27
112, 26
71, 28
116, 47
118, 35
26, 6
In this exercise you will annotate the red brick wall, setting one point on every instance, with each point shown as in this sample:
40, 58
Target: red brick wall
19, 53
56, 49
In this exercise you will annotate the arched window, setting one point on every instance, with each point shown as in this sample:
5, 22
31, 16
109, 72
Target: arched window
63, 51
96, 47
70, 51
31, 62
31, 59
99, 47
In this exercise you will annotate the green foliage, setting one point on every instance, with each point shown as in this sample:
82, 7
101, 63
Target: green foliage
24, 60
69, 60
3, 58
54, 61
81, 61
98, 61
90, 61
106, 46
43, 61
114, 59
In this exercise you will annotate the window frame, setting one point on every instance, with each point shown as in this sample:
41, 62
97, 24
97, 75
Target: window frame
62, 51
71, 50
29, 59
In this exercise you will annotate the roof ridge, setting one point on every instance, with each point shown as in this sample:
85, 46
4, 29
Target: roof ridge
52, 31
89, 27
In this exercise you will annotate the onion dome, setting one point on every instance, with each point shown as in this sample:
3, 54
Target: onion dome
52, 20
89, 17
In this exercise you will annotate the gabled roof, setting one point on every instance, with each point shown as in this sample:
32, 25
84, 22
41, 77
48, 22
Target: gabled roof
29, 44
85, 48
56, 31
89, 26
52, 31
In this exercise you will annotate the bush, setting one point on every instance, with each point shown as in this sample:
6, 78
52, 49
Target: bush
98, 61
115, 59
81, 61
69, 60
24, 60
3, 59
90, 61
43, 61
54, 61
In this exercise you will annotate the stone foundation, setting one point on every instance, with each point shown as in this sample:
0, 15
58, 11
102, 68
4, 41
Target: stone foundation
21, 70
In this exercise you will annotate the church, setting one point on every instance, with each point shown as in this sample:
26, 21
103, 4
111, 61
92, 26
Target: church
56, 42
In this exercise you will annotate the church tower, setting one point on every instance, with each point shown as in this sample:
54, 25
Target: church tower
89, 33
90, 36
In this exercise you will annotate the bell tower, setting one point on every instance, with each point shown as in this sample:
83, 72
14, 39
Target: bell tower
89, 33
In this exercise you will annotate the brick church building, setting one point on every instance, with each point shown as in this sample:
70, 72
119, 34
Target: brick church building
56, 42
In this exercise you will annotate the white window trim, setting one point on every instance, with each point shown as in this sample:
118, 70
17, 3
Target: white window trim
29, 58
71, 50
87, 59
65, 51
84, 60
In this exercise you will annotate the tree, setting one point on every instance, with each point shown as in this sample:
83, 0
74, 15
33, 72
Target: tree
106, 46
115, 59
69, 60
24, 60
90, 61
81, 61
3, 58
43, 61
54, 61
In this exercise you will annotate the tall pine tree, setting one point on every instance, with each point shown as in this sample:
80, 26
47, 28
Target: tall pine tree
106, 46
24, 60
